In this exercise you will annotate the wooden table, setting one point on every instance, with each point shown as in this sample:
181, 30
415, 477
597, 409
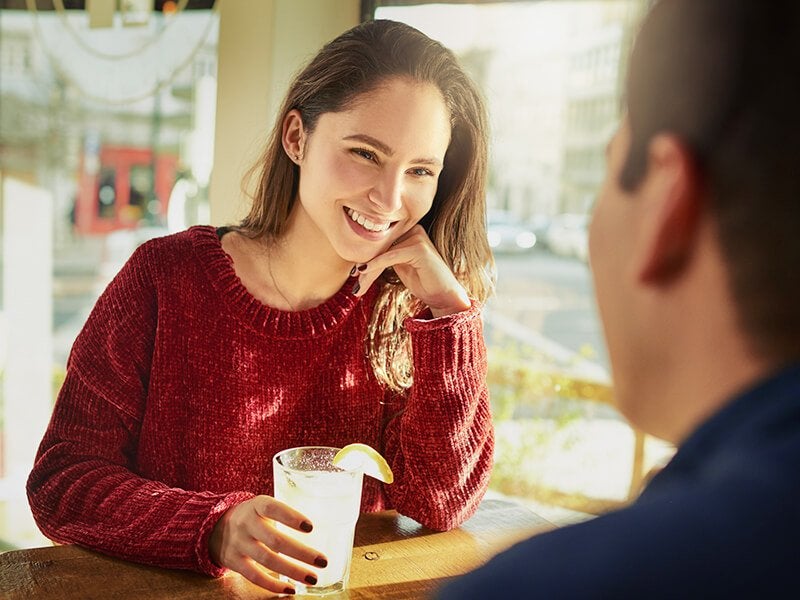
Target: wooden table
394, 558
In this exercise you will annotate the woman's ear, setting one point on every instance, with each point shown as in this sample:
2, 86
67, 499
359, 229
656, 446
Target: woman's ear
293, 135
673, 192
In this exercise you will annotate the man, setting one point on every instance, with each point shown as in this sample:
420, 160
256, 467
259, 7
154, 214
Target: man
695, 251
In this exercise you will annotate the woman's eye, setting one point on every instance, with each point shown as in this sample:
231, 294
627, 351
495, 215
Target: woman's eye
367, 154
421, 172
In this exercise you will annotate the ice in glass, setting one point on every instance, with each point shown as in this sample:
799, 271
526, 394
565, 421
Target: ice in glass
307, 480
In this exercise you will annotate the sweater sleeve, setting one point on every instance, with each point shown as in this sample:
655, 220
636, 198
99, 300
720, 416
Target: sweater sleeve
441, 445
83, 488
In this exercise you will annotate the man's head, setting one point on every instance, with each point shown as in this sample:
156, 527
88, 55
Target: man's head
724, 76
712, 130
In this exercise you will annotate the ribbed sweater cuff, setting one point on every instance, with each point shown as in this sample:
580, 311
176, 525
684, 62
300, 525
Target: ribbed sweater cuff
447, 345
425, 321
204, 562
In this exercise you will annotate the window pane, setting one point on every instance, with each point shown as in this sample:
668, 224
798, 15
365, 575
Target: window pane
102, 146
552, 74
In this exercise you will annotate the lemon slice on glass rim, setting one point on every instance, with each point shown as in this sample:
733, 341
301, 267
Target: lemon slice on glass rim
360, 457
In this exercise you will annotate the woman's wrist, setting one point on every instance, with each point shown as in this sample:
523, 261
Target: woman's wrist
443, 312
215, 541
459, 303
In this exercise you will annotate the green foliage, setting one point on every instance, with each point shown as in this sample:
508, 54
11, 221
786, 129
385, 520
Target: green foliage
536, 404
524, 382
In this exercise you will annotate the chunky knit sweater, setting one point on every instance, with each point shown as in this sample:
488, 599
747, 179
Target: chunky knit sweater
182, 386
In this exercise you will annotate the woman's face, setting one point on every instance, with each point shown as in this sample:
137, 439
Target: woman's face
369, 173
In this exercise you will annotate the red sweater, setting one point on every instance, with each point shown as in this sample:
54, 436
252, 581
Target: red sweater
182, 386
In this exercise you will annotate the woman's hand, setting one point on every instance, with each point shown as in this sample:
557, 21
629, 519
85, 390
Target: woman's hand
421, 269
246, 540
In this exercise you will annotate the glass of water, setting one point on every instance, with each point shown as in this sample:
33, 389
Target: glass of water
307, 480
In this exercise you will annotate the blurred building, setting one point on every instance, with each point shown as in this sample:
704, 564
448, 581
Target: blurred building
103, 130
596, 65
550, 72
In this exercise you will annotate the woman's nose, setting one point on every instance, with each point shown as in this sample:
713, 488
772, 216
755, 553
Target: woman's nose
387, 193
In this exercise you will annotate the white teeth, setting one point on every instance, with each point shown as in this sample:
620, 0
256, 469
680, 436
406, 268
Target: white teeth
366, 223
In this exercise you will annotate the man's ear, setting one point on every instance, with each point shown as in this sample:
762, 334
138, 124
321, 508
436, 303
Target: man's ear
293, 136
673, 193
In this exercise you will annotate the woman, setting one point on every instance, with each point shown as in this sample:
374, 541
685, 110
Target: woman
344, 308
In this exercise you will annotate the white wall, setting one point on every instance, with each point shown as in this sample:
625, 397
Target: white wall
26, 343
261, 45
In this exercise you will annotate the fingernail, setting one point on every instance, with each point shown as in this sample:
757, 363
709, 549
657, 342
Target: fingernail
289, 591
320, 562
362, 267
356, 287
311, 580
306, 526
353, 271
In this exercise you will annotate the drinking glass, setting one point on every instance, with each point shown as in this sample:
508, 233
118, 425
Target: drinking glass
307, 480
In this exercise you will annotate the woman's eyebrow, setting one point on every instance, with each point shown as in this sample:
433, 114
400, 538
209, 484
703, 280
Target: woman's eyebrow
376, 143
368, 139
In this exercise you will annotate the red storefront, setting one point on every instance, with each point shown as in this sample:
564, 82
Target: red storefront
122, 186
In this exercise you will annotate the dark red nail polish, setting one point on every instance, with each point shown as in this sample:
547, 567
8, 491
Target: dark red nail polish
311, 580
363, 267
320, 562
306, 526
353, 271
356, 287
289, 591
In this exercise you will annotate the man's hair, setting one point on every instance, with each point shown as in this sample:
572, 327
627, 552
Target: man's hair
724, 76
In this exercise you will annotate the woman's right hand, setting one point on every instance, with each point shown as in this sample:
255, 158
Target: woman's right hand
246, 540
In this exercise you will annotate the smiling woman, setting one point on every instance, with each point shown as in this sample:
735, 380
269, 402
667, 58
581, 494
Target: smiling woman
364, 254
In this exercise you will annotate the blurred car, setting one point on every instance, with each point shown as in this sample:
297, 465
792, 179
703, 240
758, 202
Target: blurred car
568, 235
507, 233
539, 224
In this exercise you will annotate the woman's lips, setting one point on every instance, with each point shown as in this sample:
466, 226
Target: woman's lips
366, 222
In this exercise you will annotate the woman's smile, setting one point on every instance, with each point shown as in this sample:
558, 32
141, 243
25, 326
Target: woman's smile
366, 222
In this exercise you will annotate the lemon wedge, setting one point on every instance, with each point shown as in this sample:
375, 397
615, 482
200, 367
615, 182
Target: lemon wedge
360, 457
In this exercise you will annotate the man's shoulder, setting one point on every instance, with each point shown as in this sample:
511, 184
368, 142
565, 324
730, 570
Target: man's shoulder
707, 536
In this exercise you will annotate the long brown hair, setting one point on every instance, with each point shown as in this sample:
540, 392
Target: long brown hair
356, 63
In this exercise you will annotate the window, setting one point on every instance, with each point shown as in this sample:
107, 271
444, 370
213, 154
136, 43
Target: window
15, 56
551, 75
93, 124
107, 194
142, 201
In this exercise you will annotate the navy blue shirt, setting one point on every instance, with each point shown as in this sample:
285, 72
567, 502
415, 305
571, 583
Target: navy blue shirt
721, 520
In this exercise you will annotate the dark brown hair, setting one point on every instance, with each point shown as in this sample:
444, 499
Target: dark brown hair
353, 64
723, 75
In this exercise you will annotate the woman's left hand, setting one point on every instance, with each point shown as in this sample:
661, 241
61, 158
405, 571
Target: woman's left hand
422, 270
